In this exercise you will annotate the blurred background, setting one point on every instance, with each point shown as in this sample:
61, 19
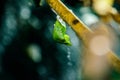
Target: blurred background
27, 48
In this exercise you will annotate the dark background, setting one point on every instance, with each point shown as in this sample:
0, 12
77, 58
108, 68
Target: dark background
25, 23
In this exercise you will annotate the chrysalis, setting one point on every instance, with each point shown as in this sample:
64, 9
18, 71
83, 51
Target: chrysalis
59, 32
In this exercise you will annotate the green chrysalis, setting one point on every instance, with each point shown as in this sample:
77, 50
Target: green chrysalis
59, 34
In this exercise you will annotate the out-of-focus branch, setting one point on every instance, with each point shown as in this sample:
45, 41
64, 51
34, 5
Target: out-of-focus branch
102, 7
106, 10
115, 15
113, 60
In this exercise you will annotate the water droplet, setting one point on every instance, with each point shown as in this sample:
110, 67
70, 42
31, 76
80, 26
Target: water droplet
69, 56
